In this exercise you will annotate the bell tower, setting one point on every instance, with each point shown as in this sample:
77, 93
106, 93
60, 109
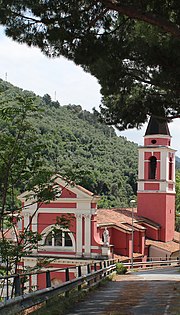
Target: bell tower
156, 178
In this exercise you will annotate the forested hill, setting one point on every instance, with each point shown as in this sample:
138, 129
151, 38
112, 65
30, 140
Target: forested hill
78, 146
87, 151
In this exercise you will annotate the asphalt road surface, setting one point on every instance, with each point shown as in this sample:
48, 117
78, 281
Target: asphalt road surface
155, 292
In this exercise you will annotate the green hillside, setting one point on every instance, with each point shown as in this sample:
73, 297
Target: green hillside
81, 148
85, 150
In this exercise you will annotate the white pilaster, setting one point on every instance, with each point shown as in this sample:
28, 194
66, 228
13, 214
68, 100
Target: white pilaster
34, 282
34, 223
141, 186
26, 220
87, 234
167, 166
173, 169
79, 234
141, 165
31, 263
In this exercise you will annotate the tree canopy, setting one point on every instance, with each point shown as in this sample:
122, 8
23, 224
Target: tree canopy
132, 49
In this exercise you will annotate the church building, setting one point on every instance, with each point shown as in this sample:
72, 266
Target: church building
94, 234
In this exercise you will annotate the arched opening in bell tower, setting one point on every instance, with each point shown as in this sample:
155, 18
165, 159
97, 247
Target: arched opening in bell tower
170, 168
152, 167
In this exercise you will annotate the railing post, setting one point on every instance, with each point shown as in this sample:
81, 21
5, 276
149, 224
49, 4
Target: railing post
17, 285
67, 279
79, 275
67, 274
7, 288
108, 263
105, 267
88, 272
111, 263
100, 267
95, 269
48, 279
88, 269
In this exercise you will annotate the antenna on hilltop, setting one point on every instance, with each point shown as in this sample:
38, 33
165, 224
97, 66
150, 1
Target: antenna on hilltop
55, 95
6, 76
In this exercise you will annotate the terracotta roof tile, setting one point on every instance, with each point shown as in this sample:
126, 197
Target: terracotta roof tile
118, 225
124, 258
177, 236
169, 246
149, 222
120, 217
121, 258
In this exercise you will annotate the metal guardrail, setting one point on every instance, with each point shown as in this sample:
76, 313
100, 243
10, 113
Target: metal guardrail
24, 301
153, 263
95, 273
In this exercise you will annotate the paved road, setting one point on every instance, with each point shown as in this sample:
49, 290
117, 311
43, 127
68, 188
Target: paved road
155, 292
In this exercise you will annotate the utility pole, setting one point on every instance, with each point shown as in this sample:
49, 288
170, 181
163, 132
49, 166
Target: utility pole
132, 203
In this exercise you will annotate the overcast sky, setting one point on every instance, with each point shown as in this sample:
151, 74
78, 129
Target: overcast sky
29, 69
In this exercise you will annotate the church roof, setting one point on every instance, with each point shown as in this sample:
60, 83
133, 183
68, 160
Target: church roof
157, 126
170, 246
122, 218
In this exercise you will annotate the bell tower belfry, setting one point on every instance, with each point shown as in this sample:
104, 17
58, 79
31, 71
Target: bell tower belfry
156, 178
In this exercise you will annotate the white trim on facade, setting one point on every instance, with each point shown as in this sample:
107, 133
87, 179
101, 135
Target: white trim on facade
61, 210
26, 220
79, 234
87, 227
141, 165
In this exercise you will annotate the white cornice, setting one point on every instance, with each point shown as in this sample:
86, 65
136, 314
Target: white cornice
149, 148
157, 136
61, 210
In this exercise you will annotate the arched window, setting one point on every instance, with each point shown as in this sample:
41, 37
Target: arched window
170, 168
48, 240
152, 167
59, 238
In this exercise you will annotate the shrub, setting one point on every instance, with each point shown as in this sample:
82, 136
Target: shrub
120, 269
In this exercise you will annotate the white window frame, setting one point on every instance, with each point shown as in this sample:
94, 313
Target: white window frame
54, 248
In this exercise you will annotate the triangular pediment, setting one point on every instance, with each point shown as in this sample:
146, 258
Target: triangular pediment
71, 190
68, 190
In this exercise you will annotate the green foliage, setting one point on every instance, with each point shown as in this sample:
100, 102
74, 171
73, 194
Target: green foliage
120, 269
132, 49
177, 163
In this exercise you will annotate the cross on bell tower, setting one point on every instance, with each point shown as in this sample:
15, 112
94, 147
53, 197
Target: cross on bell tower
156, 178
